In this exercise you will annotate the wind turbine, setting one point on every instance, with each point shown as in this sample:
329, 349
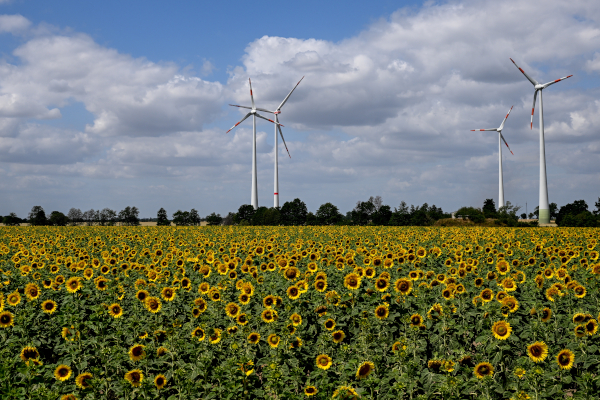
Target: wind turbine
500, 137
544, 208
278, 127
253, 109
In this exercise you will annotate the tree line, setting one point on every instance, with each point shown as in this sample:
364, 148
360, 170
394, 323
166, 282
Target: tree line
295, 212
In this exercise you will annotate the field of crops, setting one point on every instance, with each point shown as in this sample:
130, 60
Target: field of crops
291, 313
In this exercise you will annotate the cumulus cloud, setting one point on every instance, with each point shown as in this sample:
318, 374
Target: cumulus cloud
388, 111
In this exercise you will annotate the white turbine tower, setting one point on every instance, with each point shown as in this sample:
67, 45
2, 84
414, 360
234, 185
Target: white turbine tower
544, 208
278, 127
500, 139
253, 109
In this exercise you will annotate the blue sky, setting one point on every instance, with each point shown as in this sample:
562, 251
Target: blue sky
109, 104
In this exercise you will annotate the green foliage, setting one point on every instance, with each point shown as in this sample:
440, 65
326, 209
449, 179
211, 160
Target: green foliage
161, 218
129, 216
293, 212
328, 214
489, 208
416, 353
470, 213
214, 219
58, 219
11, 220
37, 216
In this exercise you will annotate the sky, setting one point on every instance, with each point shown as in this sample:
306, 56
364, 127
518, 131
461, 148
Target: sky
115, 104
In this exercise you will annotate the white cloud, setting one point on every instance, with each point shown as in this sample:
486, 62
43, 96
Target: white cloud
388, 111
14, 24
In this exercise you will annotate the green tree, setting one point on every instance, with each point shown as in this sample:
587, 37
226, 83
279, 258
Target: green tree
508, 214
75, 216
11, 220
597, 210
575, 208
471, 213
272, 216
363, 212
194, 217
400, 216
214, 219
489, 208
294, 212
58, 219
107, 217
382, 216
37, 216
129, 216
311, 219
161, 218
181, 218
245, 213
328, 214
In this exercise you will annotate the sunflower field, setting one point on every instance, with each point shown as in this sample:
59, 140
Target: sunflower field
299, 312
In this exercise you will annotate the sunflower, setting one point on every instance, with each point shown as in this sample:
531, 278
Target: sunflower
435, 312
198, 333
204, 287
62, 372
404, 286
509, 284
338, 336
364, 370
486, 295
537, 351
136, 352
48, 306
269, 301
382, 284
153, 304
296, 319
232, 310
82, 380
323, 361
115, 310
416, 320
73, 284
329, 324
253, 338
591, 327
382, 311
565, 359
519, 372
434, 365
13, 299
511, 302
135, 377
352, 281
6, 319
160, 381
32, 291
501, 330
579, 331
101, 283
142, 295
201, 304
546, 314
215, 337
321, 285
448, 294
397, 346
483, 369
161, 351
296, 343
244, 298
291, 273
310, 391
29, 353
269, 316
293, 292
273, 340
69, 396
579, 291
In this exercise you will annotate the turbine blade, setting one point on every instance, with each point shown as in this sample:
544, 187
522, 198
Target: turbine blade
558, 80
267, 111
242, 120
289, 94
533, 81
533, 107
267, 119
482, 130
281, 134
506, 144
235, 105
251, 94
502, 125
